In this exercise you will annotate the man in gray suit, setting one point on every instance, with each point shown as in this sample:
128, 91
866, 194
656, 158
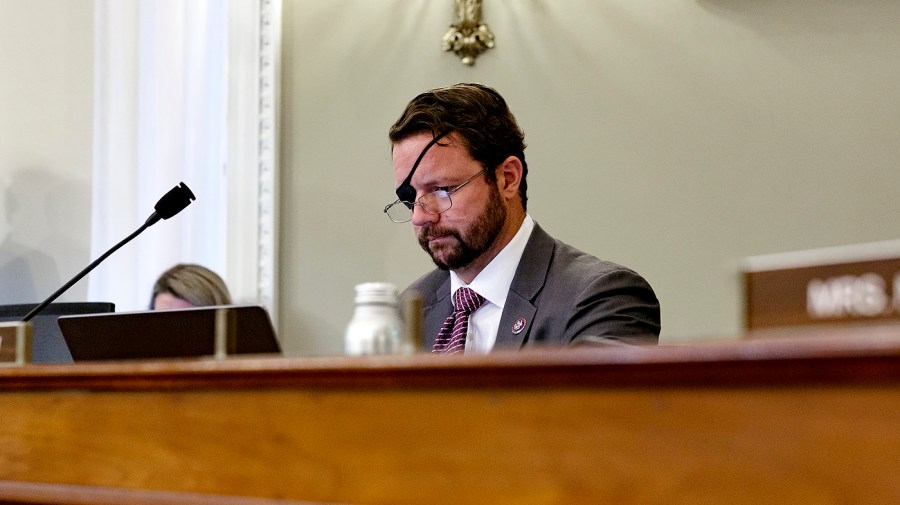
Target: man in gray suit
502, 282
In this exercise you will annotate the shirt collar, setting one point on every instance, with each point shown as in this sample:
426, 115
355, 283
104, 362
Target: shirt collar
494, 280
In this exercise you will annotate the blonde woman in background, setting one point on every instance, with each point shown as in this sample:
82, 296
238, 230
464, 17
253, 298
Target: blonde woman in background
189, 285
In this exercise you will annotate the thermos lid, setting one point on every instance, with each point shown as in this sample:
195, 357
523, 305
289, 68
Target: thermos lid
376, 292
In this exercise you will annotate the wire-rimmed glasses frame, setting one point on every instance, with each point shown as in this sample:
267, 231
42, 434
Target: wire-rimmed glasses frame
436, 202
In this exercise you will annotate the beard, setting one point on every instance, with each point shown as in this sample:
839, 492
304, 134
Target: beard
481, 234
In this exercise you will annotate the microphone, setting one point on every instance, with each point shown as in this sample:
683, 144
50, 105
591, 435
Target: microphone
170, 204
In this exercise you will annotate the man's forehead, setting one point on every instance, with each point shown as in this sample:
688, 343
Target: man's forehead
405, 154
449, 145
431, 162
430, 172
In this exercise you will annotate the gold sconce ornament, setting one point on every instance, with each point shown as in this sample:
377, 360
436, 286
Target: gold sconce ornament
468, 37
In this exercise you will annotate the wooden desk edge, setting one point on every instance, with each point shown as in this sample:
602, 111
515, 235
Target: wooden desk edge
873, 358
22, 493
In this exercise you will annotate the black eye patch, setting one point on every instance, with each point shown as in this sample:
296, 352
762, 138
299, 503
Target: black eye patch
407, 194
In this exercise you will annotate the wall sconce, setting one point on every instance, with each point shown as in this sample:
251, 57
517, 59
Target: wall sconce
468, 37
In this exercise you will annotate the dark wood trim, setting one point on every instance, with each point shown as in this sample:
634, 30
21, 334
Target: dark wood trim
34, 493
852, 357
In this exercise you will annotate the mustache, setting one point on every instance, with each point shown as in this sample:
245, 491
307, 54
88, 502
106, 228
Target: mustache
427, 234
430, 232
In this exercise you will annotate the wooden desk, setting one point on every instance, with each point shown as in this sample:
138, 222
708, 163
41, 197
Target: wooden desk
786, 421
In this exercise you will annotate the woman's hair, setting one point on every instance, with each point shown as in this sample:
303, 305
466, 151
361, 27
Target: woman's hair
196, 284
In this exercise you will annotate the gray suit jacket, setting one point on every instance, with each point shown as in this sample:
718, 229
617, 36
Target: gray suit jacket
559, 296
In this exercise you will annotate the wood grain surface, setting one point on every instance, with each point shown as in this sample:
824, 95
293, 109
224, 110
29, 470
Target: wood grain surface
811, 422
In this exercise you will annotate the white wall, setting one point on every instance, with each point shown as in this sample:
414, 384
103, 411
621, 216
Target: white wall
46, 60
674, 136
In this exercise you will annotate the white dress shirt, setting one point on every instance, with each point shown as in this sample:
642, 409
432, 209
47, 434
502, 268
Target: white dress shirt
493, 284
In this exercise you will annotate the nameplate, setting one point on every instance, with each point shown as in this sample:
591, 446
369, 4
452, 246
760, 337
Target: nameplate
850, 285
15, 343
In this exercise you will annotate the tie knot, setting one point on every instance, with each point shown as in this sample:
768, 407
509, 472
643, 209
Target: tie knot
466, 300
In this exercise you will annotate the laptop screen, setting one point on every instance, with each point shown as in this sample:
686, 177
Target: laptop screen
169, 333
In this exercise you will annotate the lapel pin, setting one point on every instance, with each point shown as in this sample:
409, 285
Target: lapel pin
518, 326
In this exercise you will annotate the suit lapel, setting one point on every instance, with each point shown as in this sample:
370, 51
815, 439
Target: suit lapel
437, 313
515, 322
531, 274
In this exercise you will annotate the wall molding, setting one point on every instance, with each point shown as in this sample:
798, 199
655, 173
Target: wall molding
254, 58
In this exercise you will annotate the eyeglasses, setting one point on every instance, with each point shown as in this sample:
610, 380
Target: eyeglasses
435, 202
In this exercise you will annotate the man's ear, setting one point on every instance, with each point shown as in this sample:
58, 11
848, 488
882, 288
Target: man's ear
509, 177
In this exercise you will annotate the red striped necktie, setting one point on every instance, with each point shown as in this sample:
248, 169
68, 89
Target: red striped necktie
452, 337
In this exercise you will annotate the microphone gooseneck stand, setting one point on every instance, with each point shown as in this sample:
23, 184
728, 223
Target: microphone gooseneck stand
170, 204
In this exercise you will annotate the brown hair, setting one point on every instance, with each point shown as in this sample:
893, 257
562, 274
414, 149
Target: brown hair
478, 114
197, 284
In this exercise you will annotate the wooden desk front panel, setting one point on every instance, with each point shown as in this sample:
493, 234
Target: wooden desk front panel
498, 445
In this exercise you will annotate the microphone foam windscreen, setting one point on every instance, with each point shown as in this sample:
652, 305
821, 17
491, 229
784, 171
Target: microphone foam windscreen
174, 201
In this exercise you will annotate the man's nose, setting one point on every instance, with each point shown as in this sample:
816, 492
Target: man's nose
420, 217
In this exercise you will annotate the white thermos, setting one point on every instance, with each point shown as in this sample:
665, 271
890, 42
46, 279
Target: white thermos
376, 326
